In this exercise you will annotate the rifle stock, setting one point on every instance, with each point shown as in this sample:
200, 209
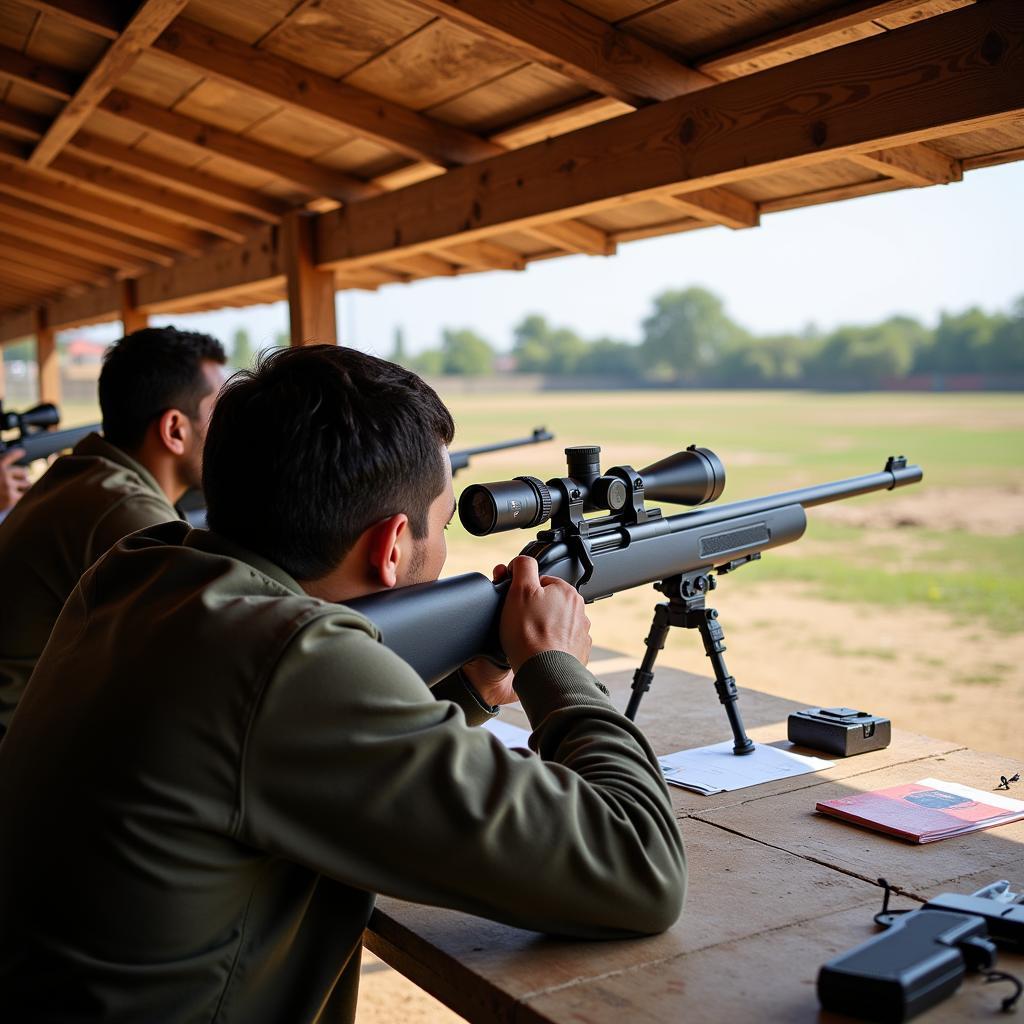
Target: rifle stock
624, 555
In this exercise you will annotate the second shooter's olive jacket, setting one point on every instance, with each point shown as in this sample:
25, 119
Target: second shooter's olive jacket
194, 830
81, 506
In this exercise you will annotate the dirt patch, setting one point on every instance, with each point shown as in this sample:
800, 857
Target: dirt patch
995, 511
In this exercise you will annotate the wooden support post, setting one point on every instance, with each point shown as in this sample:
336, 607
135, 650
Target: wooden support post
132, 318
310, 290
46, 360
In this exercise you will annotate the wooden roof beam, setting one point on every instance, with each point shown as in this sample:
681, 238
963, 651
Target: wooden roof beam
16, 325
300, 88
716, 206
912, 165
806, 30
109, 183
948, 74
58, 194
126, 251
97, 305
484, 255
145, 25
574, 236
72, 267
576, 44
94, 16
312, 178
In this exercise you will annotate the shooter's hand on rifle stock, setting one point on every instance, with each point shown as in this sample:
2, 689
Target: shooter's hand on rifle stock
13, 479
542, 613
491, 682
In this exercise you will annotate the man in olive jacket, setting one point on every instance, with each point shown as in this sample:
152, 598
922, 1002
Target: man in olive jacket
194, 832
157, 389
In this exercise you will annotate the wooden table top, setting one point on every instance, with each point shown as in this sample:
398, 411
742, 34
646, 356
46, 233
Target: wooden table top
775, 889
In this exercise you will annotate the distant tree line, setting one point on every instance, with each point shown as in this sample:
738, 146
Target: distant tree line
689, 338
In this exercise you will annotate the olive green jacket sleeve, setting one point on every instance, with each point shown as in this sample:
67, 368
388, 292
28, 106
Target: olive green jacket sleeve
354, 769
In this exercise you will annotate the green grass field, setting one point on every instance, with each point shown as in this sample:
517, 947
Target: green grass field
970, 446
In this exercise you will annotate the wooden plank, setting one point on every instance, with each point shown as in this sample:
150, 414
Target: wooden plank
47, 359
576, 44
421, 264
181, 178
14, 269
132, 318
71, 267
717, 206
311, 312
1004, 156
106, 181
58, 194
311, 177
769, 976
575, 236
98, 305
392, 125
44, 78
806, 30
484, 255
215, 274
912, 165
65, 230
145, 25
830, 195
948, 74
793, 825
92, 15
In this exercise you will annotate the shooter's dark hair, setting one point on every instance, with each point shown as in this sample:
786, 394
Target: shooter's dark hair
314, 445
148, 372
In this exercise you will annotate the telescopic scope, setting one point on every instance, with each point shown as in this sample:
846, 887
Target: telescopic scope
692, 477
39, 416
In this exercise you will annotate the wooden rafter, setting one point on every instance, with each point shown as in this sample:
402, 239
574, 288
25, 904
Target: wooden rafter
146, 24
108, 182
72, 266
806, 30
720, 205
300, 88
60, 195
912, 165
955, 73
94, 16
577, 44
128, 251
313, 179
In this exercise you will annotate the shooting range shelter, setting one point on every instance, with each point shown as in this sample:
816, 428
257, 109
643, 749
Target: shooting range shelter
193, 155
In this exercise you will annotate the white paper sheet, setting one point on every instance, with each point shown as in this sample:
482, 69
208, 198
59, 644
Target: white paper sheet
716, 769
510, 735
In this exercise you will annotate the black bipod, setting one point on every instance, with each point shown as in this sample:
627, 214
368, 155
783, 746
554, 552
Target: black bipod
686, 608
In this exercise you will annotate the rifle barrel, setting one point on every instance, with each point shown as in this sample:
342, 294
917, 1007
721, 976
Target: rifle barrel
44, 443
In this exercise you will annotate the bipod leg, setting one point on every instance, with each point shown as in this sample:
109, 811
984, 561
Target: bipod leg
725, 686
644, 675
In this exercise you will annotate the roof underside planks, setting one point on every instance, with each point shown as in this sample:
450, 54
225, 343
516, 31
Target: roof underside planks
443, 137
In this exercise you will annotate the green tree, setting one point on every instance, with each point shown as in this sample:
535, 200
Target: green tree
865, 356
540, 348
465, 353
961, 342
772, 360
688, 334
611, 357
241, 349
282, 339
429, 363
1006, 349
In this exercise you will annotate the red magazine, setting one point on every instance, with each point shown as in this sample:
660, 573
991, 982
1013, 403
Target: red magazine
925, 811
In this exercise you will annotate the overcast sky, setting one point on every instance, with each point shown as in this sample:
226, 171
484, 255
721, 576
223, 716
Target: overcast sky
918, 251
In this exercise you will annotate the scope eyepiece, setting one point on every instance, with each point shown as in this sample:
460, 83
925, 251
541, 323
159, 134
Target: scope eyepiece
692, 477
511, 504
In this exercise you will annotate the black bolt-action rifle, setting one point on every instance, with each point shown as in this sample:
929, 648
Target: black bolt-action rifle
629, 546
33, 434
460, 457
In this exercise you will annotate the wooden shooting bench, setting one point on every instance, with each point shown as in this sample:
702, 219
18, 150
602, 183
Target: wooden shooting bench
775, 890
